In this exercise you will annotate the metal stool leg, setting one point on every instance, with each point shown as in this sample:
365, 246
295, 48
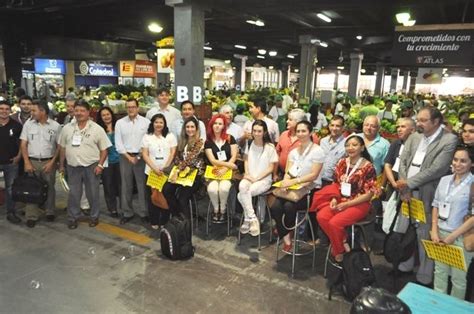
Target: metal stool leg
312, 238
295, 243
239, 235
327, 261
208, 214
192, 216
259, 223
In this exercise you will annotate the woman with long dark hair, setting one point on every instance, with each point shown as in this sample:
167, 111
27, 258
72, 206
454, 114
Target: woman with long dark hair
158, 151
111, 174
347, 200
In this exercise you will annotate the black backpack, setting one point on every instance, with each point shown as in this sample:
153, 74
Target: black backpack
176, 239
355, 272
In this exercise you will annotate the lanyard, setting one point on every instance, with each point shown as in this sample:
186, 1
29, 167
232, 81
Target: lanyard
456, 190
400, 152
348, 175
306, 152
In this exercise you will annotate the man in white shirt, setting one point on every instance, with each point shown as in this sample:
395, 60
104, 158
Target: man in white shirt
232, 128
258, 110
163, 106
187, 111
129, 132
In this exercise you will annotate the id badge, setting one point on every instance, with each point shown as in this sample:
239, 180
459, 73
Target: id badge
222, 156
418, 159
444, 210
76, 140
346, 189
396, 165
294, 171
412, 170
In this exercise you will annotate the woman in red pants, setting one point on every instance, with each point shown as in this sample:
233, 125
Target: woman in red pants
347, 200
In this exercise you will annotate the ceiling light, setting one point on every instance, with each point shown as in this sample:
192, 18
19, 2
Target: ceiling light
227, 61
240, 46
154, 28
261, 57
323, 44
251, 22
272, 53
324, 17
290, 56
467, 70
297, 70
362, 71
375, 73
260, 23
270, 67
207, 48
409, 23
340, 67
359, 37
262, 51
402, 17
445, 74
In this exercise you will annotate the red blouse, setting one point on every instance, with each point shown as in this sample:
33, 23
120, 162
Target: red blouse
363, 180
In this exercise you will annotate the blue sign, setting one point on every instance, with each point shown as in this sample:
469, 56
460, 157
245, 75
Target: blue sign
96, 68
50, 66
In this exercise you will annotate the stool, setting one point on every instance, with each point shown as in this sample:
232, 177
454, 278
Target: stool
260, 199
370, 218
194, 214
299, 243
229, 212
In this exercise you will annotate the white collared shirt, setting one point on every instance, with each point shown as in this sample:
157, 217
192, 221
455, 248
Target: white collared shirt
129, 134
41, 138
171, 113
426, 141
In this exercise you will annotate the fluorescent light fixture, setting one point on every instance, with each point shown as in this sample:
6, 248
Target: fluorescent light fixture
359, 37
402, 17
154, 28
260, 57
340, 67
260, 23
290, 56
227, 61
272, 53
240, 46
375, 73
270, 67
262, 51
207, 48
323, 44
445, 70
324, 17
251, 22
409, 23
362, 71
297, 70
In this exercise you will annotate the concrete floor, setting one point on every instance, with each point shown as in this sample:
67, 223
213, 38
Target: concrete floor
101, 270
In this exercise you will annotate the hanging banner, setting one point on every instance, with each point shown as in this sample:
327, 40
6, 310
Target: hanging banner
95, 68
429, 76
165, 60
138, 68
434, 45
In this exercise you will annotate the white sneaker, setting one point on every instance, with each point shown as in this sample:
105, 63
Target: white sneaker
254, 228
244, 229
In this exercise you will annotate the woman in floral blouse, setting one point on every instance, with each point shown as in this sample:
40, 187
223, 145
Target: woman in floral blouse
347, 200
190, 156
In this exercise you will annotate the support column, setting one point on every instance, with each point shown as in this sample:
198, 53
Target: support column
394, 78
285, 75
406, 79
336, 79
356, 65
412, 85
379, 79
308, 54
189, 52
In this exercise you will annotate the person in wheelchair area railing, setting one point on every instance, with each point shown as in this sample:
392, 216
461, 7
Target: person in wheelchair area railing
304, 168
347, 200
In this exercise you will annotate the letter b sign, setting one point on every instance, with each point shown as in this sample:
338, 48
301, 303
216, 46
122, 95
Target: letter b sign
182, 94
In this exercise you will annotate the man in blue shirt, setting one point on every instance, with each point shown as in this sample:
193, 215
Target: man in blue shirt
375, 144
333, 147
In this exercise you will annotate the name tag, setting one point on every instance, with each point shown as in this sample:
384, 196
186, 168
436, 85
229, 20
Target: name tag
444, 210
221, 155
294, 171
346, 189
418, 159
396, 166
76, 140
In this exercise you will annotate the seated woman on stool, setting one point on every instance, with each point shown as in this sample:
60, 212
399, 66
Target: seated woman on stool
221, 152
189, 156
347, 200
260, 159
303, 167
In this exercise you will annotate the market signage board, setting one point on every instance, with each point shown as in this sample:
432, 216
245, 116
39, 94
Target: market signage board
50, 66
95, 68
434, 45
138, 68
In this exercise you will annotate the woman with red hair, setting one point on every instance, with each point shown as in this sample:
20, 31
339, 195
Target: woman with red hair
221, 152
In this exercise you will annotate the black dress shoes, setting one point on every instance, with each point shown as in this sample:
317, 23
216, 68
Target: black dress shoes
124, 220
13, 218
30, 223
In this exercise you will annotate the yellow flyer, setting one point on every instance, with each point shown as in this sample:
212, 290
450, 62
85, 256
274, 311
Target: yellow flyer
156, 181
184, 179
417, 210
293, 187
451, 255
210, 174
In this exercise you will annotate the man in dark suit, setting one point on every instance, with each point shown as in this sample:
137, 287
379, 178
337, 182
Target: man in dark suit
426, 158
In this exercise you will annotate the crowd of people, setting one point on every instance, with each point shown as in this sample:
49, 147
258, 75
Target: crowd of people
346, 174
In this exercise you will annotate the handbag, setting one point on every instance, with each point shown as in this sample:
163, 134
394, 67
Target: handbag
158, 199
292, 195
468, 240
30, 189
390, 211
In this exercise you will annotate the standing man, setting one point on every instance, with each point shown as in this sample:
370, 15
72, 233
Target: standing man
10, 155
40, 152
187, 111
232, 128
278, 113
70, 102
163, 106
25, 110
83, 143
425, 159
258, 110
376, 145
406, 110
387, 113
333, 147
129, 132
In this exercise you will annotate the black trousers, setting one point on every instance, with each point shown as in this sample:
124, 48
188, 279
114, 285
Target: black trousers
178, 196
158, 216
112, 185
287, 208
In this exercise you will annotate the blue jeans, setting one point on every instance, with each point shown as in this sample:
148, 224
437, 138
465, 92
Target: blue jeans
10, 173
